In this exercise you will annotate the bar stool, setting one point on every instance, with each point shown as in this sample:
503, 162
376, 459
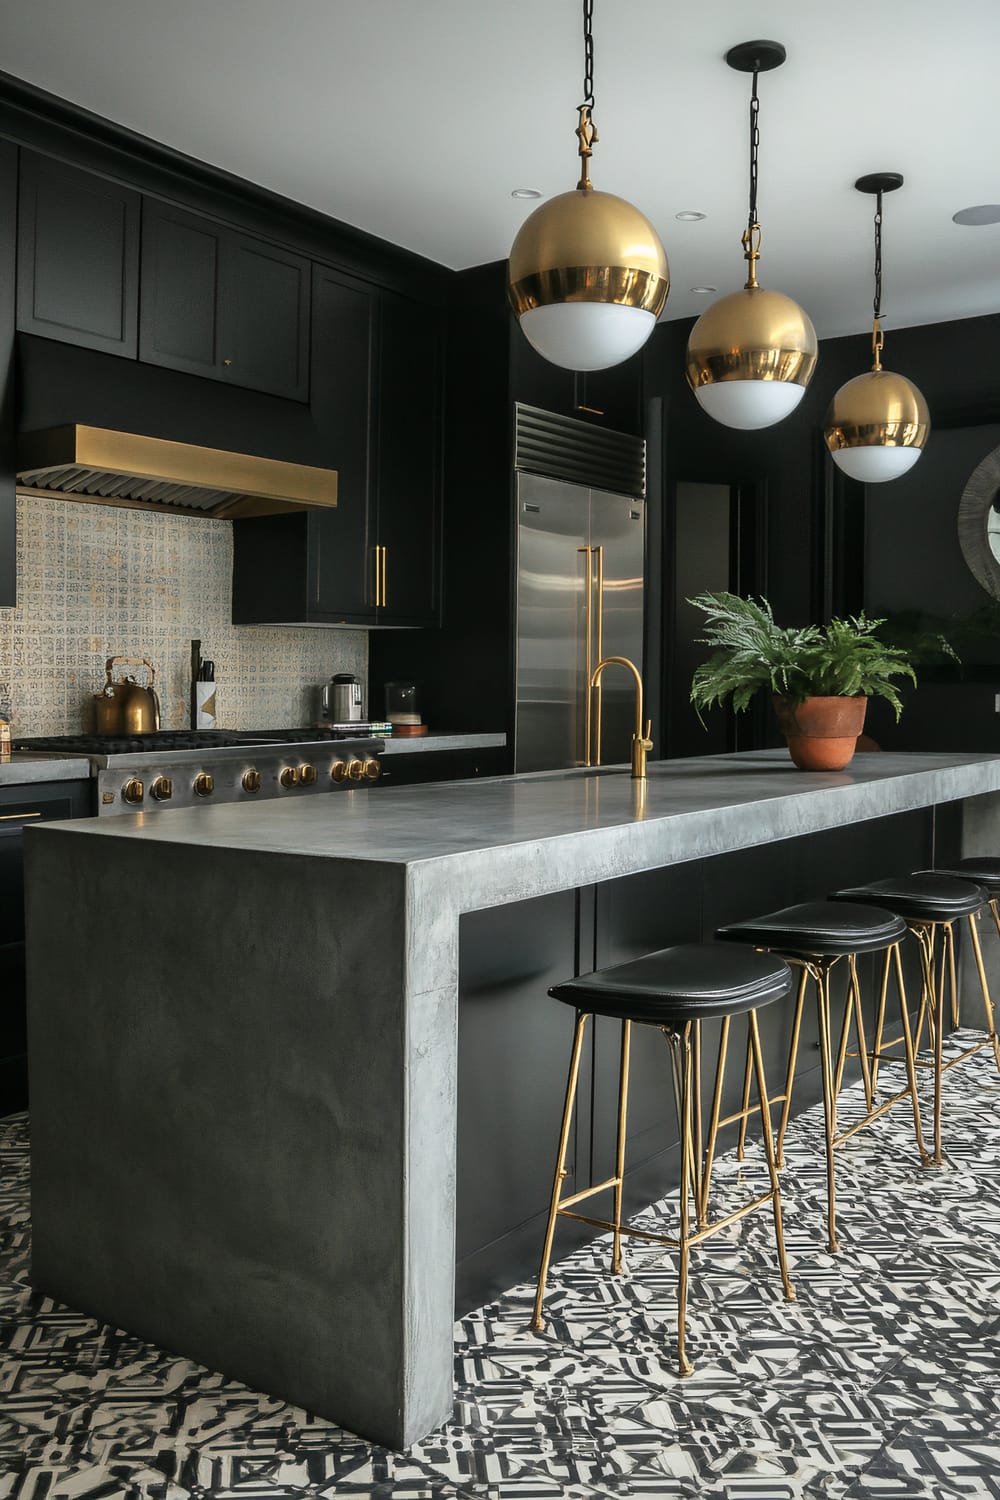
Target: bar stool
815, 937
674, 990
930, 904
983, 870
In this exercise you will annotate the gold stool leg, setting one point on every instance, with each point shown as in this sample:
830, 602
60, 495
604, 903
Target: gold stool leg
880, 1014
537, 1321
911, 1070
793, 1052
933, 1002
713, 1124
741, 1143
854, 993
680, 1047
765, 1119
956, 1018
991, 1025
616, 1254
821, 978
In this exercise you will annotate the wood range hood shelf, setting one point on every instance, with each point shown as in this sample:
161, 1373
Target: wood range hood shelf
104, 467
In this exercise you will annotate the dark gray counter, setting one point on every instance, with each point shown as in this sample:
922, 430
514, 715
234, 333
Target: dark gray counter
245, 1140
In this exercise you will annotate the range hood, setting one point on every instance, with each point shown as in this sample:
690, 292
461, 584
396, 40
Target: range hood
144, 473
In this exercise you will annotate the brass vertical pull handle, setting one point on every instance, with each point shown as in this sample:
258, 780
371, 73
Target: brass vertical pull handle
588, 647
385, 578
378, 576
600, 651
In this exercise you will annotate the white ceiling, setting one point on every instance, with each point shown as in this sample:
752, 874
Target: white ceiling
414, 119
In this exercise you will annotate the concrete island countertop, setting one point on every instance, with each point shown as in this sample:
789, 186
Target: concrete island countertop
244, 1148
492, 840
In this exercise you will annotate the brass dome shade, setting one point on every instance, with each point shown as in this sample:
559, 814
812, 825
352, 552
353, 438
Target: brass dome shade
588, 278
877, 426
761, 340
878, 423
751, 355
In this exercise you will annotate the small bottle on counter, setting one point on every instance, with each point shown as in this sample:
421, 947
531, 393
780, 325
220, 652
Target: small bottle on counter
204, 696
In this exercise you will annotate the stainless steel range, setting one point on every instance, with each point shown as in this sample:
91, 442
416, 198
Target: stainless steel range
196, 768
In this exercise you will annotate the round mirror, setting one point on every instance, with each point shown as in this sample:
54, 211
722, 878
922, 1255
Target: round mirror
979, 523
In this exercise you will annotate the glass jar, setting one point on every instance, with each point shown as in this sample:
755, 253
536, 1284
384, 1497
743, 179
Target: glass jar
402, 704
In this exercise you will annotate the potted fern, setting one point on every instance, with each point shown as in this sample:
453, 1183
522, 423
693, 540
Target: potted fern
821, 677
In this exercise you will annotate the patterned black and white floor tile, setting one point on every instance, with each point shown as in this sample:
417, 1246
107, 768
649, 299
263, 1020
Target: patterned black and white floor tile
881, 1381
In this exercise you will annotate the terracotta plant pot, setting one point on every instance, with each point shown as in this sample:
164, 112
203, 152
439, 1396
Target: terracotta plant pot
821, 732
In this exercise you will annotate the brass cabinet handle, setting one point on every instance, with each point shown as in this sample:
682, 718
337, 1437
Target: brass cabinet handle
18, 817
378, 576
385, 584
588, 647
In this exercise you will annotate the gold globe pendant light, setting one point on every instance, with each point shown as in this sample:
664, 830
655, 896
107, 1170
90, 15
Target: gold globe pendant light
878, 423
751, 355
587, 276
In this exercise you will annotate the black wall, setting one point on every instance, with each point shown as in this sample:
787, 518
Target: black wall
833, 546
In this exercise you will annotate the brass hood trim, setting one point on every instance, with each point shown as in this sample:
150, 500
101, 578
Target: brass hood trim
103, 467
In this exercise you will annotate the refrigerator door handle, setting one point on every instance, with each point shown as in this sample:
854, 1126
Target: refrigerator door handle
596, 694
588, 648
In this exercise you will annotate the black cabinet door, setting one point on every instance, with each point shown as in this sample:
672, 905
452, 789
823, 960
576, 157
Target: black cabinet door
409, 510
264, 318
222, 304
78, 257
341, 541
20, 807
181, 260
8, 421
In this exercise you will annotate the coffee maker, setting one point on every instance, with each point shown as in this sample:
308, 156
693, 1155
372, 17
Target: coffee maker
342, 701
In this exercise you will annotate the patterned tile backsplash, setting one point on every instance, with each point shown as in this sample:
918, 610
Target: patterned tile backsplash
97, 581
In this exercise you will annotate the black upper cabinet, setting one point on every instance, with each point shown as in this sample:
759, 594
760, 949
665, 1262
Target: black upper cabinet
78, 257
609, 398
374, 559
222, 304
341, 564
409, 414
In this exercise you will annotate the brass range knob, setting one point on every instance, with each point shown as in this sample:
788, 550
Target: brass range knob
356, 770
204, 784
289, 776
307, 775
372, 770
338, 771
133, 791
162, 789
251, 781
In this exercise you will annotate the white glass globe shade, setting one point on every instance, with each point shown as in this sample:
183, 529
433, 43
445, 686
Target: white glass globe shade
749, 404
587, 335
875, 464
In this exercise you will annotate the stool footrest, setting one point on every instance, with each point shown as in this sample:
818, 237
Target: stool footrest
666, 1239
590, 1192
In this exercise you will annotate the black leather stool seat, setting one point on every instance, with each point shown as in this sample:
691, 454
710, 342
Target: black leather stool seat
923, 897
983, 869
691, 982
819, 929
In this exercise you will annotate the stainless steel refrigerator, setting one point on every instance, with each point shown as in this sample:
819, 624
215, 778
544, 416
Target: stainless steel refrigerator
579, 597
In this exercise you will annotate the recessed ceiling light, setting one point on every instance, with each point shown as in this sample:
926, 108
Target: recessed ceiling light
689, 215
704, 291
980, 213
525, 193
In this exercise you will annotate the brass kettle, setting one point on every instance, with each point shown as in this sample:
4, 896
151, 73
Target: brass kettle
124, 707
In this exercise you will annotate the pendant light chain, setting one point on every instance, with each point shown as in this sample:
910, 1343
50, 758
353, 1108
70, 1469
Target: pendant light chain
588, 53
586, 130
754, 151
877, 337
751, 239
